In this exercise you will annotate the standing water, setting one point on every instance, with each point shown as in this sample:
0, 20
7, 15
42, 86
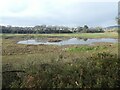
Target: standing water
72, 41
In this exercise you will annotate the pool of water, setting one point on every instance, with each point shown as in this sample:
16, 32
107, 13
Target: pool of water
72, 41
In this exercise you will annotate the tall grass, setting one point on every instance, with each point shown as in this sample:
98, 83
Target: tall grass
42, 66
98, 71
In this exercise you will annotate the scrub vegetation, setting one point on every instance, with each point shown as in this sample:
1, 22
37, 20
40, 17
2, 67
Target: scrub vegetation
52, 66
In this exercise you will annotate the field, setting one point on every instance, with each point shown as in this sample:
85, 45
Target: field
52, 66
84, 35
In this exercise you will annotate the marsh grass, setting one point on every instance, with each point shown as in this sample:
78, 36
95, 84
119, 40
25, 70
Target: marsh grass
72, 66
86, 48
82, 35
100, 70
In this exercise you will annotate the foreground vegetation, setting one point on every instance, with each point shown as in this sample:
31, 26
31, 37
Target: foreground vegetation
72, 66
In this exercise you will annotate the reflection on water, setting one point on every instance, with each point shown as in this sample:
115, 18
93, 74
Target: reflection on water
71, 41
85, 39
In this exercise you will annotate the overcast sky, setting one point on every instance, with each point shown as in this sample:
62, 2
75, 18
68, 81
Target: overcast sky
58, 12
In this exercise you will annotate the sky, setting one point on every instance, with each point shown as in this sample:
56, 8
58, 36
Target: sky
58, 12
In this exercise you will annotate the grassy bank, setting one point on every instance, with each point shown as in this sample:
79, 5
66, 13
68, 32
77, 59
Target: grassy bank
83, 35
72, 66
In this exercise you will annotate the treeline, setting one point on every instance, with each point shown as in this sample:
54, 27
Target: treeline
49, 29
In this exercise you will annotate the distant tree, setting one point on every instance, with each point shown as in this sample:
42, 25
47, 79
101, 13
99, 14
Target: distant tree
85, 29
79, 29
95, 30
99, 29
118, 20
48, 29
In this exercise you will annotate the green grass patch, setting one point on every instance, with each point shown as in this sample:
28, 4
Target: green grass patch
82, 35
86, 48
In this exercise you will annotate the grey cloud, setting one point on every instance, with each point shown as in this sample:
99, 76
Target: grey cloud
78, 14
